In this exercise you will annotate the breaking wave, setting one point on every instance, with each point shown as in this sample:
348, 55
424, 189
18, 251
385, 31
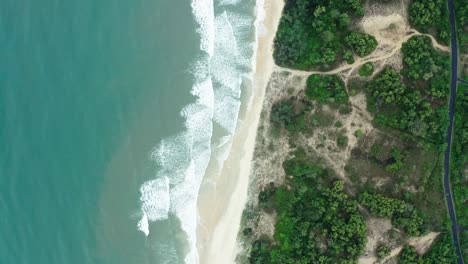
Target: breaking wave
227, 44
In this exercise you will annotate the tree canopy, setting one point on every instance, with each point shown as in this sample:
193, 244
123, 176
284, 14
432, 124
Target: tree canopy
326, 89
311, 33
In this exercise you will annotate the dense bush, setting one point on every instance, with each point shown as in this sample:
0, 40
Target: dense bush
402, 216
461, 15
408, 255
380, 205
383, 252
311, 33
290, 114
459, 163
317, 221
259, 253
431, 16
318, 225
401, 107
411, 222
441, 252
348, 56
427, 66
326, 89
266, 197
397, 159
367, 69
282, 113
362, 44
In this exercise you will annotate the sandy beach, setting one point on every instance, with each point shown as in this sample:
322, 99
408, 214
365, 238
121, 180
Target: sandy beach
220, 207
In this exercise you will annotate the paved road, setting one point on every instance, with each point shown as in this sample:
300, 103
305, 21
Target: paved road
453, 94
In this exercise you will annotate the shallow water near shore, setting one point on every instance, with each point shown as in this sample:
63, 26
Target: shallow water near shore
110, 113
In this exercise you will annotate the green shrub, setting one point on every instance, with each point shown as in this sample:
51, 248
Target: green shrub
359, 133
408, 255
326, 89
348, 57
362, 44
431, 16
381, 206
367, 69
311, 33
282, 113
411, 222
383, 252
342, 141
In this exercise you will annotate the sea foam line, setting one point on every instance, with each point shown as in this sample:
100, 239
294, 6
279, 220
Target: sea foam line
182, 159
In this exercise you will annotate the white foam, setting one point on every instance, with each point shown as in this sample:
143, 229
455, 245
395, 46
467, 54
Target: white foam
143, 224
260, 14
183, 158
228, 2
203, 11
154, 202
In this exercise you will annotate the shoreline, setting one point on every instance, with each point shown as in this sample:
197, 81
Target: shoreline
220, 209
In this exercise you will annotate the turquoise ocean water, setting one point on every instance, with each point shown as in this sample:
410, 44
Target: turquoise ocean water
110, 112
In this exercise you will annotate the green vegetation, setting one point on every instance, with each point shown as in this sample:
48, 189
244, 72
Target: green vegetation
348, 56
383, 252
442, 252
427, 69
380, 205
417, 109
312, 34
317, 221
408, 255
431, 16
359, 133
410, 221
291, 115
342, 141
367, 69
394, 171
396, 162
362, 44
461, 15
265, 197
402, 216
400, 107
326, 89
282, 114
416, 179
459, 164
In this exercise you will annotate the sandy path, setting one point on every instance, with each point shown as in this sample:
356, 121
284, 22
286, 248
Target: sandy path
220, 209
369, 58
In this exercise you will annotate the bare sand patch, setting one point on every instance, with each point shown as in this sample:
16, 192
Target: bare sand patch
422, 244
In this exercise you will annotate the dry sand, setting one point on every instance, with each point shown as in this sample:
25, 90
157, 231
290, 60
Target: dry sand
220, 207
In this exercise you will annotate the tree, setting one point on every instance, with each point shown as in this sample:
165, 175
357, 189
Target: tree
361, 43
442, 252
367, 69
380, 205
383, 252
326, 89
282, 113
411, 222
348, 57
431, 16
408, 255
